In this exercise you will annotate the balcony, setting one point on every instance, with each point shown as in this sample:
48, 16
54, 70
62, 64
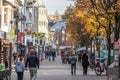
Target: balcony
13, 3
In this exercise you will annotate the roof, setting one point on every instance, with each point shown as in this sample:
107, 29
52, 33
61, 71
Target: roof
51, 24
59, 25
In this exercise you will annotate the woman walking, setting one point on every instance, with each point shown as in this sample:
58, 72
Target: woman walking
20, 67
49, 55
85, 63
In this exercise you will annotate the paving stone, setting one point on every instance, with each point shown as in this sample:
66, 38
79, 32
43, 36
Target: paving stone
58, 71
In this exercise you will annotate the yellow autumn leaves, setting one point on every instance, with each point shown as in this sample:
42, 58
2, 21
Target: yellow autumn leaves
90, 19
37, 34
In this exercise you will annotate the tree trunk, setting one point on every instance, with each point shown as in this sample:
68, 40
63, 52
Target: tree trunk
94, 46
117, 27
109, 42
109, 48
98, 47
91, 46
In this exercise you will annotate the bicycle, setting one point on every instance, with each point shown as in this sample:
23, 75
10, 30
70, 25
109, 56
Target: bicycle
5, 74
100, 66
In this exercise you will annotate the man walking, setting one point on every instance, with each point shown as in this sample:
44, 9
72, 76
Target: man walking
33, 63
73, 61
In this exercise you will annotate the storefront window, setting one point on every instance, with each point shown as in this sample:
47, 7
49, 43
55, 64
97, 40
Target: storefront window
5, 16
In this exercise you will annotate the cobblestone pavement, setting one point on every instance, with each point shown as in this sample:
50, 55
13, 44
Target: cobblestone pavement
58, 71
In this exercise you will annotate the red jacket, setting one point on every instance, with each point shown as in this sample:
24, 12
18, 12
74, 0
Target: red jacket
62, 53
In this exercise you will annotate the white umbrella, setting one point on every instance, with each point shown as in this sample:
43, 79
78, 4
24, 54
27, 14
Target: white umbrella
82, 49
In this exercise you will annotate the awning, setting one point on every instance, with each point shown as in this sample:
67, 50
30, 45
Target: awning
6, 43
64, 47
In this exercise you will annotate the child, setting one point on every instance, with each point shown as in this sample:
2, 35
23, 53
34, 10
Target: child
20, 67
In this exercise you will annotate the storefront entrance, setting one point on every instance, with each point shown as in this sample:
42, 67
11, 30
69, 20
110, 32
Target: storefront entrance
4, 49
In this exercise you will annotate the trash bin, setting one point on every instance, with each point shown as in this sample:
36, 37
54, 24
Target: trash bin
113, 73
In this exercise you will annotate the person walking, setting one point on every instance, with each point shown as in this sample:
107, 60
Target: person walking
73, 61
32, 62
14, 57
63, 56
49, 55
79, 56
46, 54
19, 68
53, 55
85, 63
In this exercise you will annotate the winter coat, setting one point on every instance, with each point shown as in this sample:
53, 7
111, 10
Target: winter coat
85, 62
32, 61
73, 60
20, 66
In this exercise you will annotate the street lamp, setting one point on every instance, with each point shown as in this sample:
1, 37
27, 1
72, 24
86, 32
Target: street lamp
10, 53
22, 19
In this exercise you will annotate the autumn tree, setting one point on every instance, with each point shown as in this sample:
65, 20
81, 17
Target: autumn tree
116, 8
75, 27
81, 25
72, 29
104, 11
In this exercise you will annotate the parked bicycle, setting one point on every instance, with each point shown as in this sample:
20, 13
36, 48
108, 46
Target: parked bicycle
100, 66
5, 74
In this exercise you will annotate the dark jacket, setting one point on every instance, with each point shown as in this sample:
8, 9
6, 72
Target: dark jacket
73, 60
32, 61
85, 62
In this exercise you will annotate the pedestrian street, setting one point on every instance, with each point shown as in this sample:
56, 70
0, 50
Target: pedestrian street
50, 70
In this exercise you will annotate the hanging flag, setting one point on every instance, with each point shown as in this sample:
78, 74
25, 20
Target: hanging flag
13, 33
19, 37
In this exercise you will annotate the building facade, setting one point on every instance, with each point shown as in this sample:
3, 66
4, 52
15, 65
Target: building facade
43, 23
28, 23
7, 25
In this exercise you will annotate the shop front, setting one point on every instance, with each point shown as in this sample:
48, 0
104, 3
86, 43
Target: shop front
4, 46
4, 49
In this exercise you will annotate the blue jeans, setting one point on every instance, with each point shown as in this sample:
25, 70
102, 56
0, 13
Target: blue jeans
73, 69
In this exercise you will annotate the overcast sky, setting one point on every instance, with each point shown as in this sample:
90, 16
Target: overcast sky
53, 5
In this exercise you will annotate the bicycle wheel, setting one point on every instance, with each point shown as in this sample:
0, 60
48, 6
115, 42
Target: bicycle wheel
98, 70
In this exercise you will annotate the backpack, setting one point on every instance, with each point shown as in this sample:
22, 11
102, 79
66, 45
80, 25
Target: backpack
73, 60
